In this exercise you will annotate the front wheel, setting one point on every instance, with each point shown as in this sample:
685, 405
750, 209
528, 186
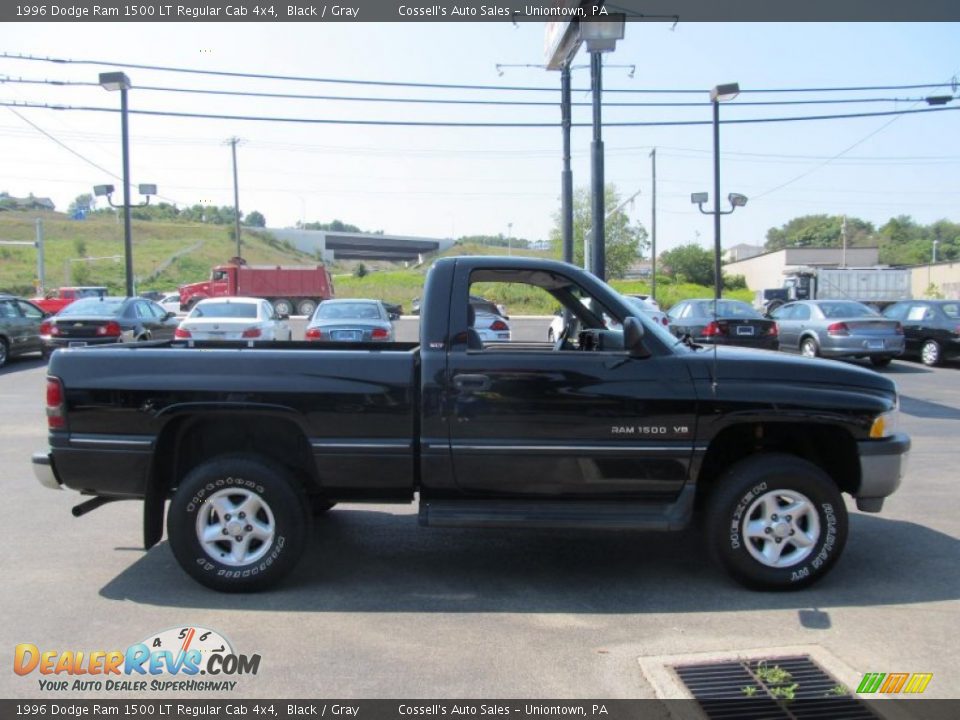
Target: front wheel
237, 523
776, 522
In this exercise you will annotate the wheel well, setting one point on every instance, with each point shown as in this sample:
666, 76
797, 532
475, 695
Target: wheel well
188, 442
829, 447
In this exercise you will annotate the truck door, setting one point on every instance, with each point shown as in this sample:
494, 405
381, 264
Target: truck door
531, 419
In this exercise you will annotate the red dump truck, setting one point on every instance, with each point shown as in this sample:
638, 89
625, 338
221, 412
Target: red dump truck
289, 289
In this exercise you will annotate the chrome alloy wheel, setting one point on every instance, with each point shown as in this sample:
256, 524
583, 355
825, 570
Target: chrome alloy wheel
235, 527
781, 528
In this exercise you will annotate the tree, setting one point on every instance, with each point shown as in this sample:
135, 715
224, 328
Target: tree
81, 205
821, 231
361, 271
690, 263
624, 243
255, 219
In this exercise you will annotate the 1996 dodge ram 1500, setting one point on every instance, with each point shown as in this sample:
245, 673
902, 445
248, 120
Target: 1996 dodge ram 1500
626, 430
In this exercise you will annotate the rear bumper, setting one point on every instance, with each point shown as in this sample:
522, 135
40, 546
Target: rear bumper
44, 472
858, 347
882, 464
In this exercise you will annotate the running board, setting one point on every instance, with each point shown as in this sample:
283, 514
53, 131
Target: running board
558, 514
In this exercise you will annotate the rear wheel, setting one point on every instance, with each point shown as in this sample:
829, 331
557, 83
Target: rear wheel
283, 306
809, 348
237, 523
306, 307
776, 522
930, 353
4, 352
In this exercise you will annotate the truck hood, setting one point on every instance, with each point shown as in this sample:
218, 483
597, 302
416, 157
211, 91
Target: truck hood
744, 365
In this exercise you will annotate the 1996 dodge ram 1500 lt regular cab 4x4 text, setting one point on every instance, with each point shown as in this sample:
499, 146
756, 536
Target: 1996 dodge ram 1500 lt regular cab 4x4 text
604, 429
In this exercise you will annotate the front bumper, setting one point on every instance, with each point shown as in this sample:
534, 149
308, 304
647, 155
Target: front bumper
882, 464
43, 470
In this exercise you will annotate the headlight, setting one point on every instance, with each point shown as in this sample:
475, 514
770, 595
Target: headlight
886, 424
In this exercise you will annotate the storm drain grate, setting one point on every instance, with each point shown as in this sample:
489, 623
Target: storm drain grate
782, 688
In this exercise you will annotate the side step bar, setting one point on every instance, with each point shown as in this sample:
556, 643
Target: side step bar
560, 514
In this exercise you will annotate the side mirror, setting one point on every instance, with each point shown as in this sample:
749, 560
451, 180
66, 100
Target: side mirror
633, 337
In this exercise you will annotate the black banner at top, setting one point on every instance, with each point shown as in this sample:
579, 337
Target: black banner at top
476, 10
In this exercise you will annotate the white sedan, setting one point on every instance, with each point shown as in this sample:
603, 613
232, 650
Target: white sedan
233, 318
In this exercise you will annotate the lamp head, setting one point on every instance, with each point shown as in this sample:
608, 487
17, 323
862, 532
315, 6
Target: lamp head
737, 200
114, 81
699, 198
101, 190
147, 189
722, 93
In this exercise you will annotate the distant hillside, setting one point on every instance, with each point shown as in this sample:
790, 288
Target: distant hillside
165, 254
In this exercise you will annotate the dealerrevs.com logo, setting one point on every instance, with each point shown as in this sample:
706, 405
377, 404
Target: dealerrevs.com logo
184, 659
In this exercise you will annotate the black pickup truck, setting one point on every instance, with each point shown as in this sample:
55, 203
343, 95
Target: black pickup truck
628, 429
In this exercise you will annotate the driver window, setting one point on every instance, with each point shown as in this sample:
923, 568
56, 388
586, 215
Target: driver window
497, 305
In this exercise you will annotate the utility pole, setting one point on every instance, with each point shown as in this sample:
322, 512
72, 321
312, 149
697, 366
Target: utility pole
843, 235
236, 192
653, 229
566, 175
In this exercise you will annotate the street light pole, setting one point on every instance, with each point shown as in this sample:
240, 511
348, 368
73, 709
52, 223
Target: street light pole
566, 175
721, 93
119, 81
653, 230
596, 169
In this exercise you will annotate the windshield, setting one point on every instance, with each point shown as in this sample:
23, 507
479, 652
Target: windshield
94, 306
225, 310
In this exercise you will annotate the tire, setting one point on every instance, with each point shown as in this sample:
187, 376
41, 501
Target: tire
930, 353
45, 353
764, 553
320, 505
880, 361
269, 548
809, 348
4, 352
283, 306
306, 307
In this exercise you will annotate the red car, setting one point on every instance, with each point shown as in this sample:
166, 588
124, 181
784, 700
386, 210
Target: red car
57, 300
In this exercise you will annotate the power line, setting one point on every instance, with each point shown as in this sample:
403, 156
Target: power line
63, 145
433, 123
455, 101
450, 86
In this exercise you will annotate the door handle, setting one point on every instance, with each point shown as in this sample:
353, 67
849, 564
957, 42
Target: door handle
471, 382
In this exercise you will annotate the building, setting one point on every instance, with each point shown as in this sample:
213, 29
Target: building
334, 245
742, 252
768, 269
942, 278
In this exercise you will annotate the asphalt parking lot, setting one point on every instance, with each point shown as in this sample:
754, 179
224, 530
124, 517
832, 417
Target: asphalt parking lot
381, 608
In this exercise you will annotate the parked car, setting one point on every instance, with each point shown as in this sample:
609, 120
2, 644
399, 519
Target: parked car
491, 327
838, 328
645, 298
722, 322
931, 328
56, 300
97, 321
645, 307
20, 322
353, 320
233, 318
170, 302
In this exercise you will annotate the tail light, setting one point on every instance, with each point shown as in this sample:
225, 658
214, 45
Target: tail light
499, 326
839, 329
56, 417
665, 320
252, 332
111, 329
313, 334
898, 329
714, 329
774, 331
379, 334
182, 333
48, 328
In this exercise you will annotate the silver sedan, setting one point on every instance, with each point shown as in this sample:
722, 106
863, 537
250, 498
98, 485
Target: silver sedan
354, 320
838, 328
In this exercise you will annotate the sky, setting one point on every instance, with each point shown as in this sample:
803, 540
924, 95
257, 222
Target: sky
448, 182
